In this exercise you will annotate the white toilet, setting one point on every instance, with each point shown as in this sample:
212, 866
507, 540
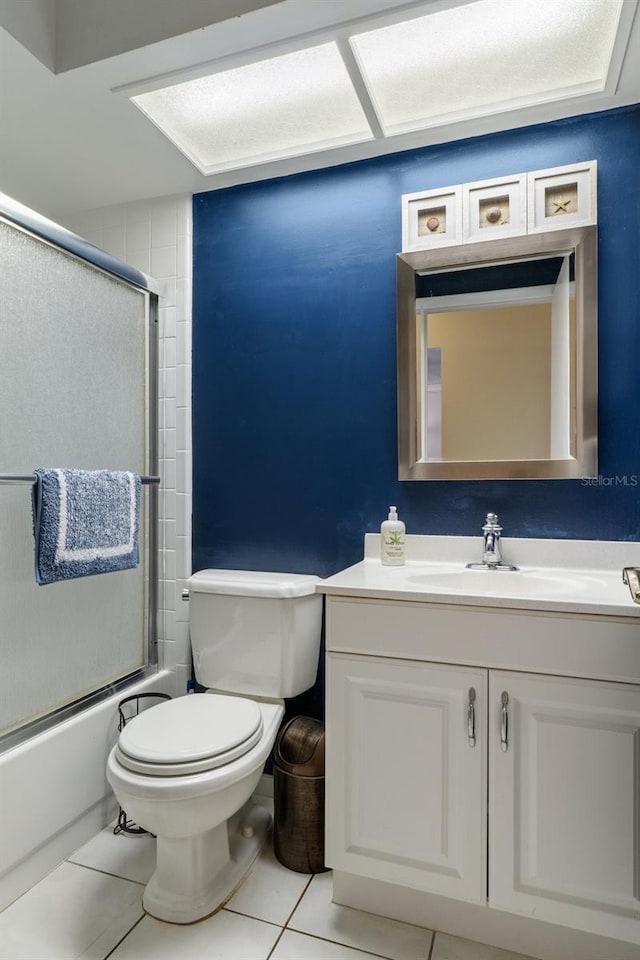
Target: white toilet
186, 768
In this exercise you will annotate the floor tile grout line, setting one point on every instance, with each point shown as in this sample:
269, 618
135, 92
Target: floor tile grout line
298, 901
249, 916
108, 873
433, 943
327, 939
295, 907
339, 943
122, 939
277, 941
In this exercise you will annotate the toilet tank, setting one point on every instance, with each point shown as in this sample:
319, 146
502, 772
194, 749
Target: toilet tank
255, 633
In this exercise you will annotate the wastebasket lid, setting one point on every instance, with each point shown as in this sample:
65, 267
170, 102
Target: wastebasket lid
300, 747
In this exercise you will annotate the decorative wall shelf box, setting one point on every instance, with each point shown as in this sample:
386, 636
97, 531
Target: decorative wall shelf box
494, 208
432, 218
562, 197
512, 206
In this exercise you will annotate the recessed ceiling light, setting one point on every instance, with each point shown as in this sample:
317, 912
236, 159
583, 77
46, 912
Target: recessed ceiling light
290, 105
486, 57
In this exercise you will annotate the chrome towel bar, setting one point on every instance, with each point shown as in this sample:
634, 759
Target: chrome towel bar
30, 478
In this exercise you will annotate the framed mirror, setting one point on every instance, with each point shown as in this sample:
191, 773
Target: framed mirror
497, 359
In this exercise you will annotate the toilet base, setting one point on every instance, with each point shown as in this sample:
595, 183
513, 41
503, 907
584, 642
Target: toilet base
195, 876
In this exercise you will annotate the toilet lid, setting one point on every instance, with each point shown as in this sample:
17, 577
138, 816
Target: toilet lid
190, 734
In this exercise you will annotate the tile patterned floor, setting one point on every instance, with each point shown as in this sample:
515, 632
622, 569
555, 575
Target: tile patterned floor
90, 908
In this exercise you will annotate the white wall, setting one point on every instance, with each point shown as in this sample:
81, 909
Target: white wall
156, 237
90, 30
33, 25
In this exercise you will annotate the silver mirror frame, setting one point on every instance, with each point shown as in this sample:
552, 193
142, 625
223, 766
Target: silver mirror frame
583, 241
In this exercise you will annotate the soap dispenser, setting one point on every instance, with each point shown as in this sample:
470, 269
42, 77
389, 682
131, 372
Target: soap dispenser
392, 533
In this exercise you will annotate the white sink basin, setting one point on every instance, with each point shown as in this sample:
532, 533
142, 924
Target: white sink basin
517, 583
566, 576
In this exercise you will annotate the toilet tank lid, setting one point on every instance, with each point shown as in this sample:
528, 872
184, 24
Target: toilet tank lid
253, 583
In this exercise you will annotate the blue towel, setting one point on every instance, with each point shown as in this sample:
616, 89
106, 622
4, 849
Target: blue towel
84, 522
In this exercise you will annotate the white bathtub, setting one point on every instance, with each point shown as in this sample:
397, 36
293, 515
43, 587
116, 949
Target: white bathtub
54, 792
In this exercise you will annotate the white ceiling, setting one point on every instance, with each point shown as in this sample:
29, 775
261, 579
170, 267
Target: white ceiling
69, 143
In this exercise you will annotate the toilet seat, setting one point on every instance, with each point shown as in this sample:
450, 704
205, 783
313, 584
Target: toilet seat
189, 735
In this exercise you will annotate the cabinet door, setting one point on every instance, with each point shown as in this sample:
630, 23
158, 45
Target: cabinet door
406, 795
564, 802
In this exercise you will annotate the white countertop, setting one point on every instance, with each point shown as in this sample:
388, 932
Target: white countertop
565, 576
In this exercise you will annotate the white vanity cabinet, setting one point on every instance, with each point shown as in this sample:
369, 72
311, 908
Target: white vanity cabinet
564, 801
523, 796
405, 773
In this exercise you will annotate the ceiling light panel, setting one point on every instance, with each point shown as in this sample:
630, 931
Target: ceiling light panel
485, 57
283, 107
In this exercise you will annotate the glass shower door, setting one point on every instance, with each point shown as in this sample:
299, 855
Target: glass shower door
74, 367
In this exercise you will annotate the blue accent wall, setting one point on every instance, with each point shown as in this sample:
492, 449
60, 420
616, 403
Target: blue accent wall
294, 359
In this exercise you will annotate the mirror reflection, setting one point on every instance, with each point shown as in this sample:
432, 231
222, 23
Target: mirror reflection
497, 359
504, 336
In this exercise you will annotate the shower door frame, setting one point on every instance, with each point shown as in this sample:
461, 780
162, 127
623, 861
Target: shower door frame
46, 231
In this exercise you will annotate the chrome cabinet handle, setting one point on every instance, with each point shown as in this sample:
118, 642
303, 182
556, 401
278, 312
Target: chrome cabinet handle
504, 723
471, 718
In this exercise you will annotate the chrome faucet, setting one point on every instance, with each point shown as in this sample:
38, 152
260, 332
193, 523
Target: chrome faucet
492, 552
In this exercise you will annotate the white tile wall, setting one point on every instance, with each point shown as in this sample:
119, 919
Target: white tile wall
156, 237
